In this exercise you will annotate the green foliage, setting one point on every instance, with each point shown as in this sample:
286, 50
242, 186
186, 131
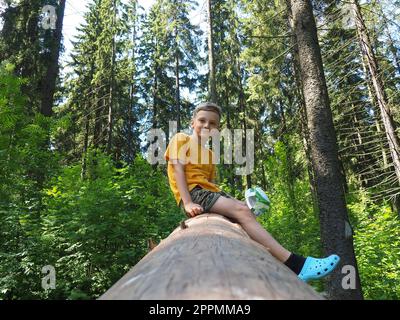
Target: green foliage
25, 165
291, 218
377, 246
92, 230
98, 227
293, 222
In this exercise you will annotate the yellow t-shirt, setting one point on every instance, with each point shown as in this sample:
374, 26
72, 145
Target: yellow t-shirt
198, 163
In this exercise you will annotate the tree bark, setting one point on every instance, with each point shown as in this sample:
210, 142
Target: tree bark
303, 111
290, 174
373, 101
132, 119
85, 147
334, 224
229, 166
210, 258
242, 107
49, 81
98, 107
211, 56
111, 96
177, 81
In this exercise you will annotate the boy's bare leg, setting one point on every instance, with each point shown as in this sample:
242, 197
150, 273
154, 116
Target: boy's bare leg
239, 211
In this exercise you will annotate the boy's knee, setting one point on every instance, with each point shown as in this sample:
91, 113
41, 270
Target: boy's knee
243, 212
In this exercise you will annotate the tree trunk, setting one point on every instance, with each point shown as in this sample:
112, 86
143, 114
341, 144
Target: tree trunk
111, 96
85, 146
49, 81
131, 123
132, 119
383, 152
290, 175
211, 59
334, 224
369, 56
155, 97
29, 62
242, 107
210, 258
263, 178
155, 121
177, 82
303, 111
373, 101
98, 107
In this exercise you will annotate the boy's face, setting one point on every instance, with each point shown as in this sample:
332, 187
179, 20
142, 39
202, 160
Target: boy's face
203, 122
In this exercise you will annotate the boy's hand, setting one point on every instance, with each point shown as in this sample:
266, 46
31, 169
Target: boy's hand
193, 209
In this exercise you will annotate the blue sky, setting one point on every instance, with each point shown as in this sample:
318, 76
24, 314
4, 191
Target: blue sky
74, 11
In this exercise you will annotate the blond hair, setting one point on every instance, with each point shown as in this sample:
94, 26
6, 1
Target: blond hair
208, 106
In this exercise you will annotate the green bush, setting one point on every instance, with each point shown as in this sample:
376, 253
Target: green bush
377, 247
99, 227
291, 218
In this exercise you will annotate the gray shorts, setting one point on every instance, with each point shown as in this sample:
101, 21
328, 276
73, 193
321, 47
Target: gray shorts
205, 198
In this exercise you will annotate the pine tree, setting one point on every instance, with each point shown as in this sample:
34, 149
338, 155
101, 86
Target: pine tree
103, 97
324, 153
373, 68
33, 49
168, 61
48, 83
211, 55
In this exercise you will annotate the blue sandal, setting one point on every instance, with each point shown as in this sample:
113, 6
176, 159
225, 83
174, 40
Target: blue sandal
318, 268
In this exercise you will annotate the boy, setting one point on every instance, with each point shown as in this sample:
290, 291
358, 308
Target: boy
191, 174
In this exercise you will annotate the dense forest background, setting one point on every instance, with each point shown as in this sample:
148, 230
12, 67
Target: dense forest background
76, 190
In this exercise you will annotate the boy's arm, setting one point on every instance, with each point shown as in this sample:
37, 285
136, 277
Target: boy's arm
190, 207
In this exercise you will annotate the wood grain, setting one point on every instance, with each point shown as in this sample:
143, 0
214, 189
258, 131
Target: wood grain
213, 259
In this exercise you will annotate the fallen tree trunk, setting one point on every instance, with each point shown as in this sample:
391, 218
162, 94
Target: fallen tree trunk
209, 257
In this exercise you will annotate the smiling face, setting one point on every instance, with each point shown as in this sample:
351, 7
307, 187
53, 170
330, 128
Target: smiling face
203, 122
